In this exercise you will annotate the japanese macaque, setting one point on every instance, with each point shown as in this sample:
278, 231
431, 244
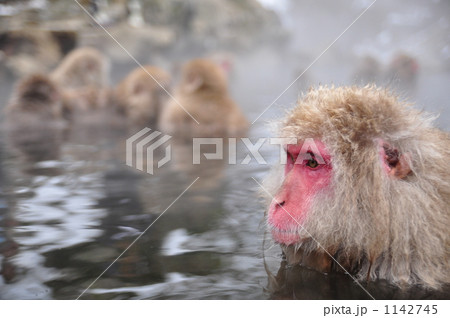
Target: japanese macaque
85, 100
402, 73
202, 94
83, 77
81, 68
365, 190
225, 60
34, 122
368, 71
36, 96
29, 51
141, 94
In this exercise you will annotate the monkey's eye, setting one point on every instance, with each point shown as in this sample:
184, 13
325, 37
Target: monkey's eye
291, 156
312, 163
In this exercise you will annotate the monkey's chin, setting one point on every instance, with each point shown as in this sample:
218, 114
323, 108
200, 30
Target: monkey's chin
285, 237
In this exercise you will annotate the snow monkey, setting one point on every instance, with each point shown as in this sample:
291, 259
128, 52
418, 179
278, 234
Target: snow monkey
34, 124
83, 67
203, 93
36, 96
365, 190
140, 95
83, 77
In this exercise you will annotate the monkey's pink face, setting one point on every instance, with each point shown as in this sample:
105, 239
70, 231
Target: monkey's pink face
308, 171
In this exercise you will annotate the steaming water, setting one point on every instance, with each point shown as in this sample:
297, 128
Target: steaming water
65, 220
67, 215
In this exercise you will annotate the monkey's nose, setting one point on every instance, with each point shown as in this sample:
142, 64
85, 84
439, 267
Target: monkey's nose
276, 206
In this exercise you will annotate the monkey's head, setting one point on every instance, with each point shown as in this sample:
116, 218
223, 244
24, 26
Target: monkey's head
38, 88
366, 179
142, 93
203, 75
84, 67
405, 66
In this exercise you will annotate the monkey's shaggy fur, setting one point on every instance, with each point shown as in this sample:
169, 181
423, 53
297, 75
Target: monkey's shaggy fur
82, 67
376, 226
140, 96
202, 94
37, 95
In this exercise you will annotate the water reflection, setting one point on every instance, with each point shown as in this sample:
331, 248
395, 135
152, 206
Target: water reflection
70, 224
299, 282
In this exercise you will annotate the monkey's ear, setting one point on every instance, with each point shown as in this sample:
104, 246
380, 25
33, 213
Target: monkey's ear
193, 83
395, 164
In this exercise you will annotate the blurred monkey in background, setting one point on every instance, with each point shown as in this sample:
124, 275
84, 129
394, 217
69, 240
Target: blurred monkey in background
203, 94
141, 94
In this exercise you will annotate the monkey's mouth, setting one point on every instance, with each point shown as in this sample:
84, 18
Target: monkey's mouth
286, 237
